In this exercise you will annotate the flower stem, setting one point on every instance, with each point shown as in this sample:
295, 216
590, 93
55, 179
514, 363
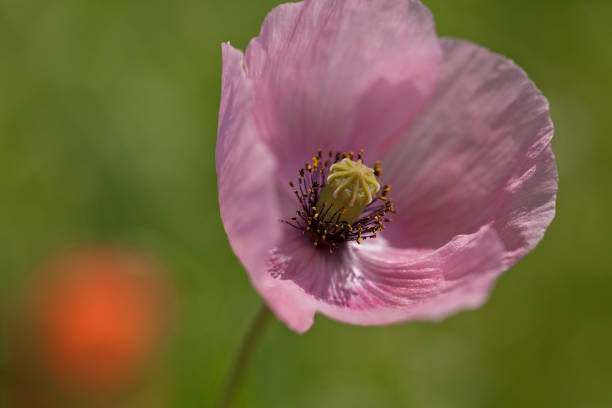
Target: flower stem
235, 376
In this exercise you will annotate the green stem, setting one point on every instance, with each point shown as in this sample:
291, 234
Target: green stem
234, 379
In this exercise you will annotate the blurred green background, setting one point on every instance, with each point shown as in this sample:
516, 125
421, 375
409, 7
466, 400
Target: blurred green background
108, 117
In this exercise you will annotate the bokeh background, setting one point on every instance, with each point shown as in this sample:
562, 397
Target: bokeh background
108, 117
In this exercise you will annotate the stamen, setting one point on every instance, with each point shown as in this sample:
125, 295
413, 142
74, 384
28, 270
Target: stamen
340, 200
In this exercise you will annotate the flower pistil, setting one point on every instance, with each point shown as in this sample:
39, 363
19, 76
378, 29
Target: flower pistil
340, 200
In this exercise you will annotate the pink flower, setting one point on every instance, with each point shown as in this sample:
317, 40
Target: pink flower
462, 136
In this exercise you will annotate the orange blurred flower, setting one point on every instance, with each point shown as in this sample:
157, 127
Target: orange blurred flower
99, 315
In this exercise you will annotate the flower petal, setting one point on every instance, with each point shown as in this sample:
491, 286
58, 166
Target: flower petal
248, 201
478, 154
374, 284
244, 167
341, 75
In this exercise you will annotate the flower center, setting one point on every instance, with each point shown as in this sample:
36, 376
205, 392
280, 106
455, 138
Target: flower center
340, 200
350, 186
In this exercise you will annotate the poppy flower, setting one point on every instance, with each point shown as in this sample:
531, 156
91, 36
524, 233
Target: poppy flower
373, 172
98, 316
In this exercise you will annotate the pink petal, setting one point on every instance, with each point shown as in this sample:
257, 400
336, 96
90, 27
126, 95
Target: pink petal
244, 168
478, 154
374, 284
341, 75
247, 199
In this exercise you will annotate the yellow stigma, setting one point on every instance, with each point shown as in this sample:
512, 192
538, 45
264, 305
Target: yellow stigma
352, 182
350, 187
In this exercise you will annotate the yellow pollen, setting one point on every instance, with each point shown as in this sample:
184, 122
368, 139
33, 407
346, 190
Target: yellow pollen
340, 200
